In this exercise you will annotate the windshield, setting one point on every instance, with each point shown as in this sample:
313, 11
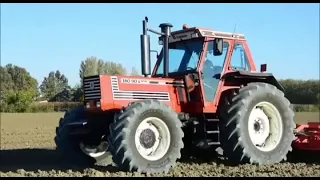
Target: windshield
183, 55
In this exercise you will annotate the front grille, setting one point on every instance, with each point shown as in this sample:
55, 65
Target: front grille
91, 87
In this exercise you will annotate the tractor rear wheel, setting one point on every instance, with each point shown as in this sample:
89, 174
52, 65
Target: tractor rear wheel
146, 137
257, 125
72, 150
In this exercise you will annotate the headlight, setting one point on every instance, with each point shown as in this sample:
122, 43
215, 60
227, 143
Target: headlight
98, 104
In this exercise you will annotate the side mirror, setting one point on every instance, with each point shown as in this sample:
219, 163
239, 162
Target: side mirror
218, 47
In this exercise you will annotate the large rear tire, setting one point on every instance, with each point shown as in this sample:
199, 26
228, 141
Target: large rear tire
257, 125
146, 137
71, 149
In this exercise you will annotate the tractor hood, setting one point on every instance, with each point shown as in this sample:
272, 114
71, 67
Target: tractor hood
115, 92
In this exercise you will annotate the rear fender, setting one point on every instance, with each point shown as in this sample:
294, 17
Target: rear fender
238, 78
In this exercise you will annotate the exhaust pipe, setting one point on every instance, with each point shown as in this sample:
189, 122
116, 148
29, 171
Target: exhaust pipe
166, 32
145, 48
145, 51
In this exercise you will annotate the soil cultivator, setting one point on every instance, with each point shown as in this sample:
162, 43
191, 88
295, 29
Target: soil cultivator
204, 92
308, 137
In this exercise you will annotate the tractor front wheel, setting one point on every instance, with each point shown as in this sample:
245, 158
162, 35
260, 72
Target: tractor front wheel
146, 137
72, 150
257, 125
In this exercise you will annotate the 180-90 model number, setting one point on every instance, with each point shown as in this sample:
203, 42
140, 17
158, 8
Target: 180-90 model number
133, 81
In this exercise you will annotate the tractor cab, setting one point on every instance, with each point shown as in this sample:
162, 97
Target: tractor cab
190, 48
200, 58
185, 52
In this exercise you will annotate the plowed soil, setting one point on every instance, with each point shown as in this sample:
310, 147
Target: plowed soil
27, 149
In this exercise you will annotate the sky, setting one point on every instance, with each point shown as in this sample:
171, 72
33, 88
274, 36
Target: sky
49, 37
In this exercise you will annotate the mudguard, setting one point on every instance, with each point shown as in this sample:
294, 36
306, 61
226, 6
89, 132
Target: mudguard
238, 77
78, 128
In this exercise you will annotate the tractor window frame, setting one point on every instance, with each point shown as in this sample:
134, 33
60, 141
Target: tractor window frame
226, 48
199, 42
244, 59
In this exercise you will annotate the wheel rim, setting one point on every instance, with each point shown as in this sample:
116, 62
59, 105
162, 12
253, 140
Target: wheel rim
265, 126
96, 151
152, 138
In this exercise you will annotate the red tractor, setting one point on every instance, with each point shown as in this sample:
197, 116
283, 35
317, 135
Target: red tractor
204, 91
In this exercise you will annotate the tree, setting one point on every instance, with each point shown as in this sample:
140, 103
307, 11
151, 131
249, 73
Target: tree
134, 72
17, 101
301, 91
77, 93
52, 85
91, 66
18, 88
65, 95
112, 68
17, 78
94, 66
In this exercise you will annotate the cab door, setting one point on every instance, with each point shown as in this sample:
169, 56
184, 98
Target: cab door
212, 68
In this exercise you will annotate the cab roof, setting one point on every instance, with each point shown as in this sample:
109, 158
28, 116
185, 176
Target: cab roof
195, 32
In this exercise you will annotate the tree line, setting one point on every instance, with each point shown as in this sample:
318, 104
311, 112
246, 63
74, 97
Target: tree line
20, 92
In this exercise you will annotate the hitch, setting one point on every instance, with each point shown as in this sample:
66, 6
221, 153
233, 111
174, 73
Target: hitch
308, 137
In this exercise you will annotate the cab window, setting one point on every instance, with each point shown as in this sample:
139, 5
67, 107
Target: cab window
239, 59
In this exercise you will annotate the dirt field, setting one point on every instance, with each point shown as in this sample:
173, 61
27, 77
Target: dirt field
27, 149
